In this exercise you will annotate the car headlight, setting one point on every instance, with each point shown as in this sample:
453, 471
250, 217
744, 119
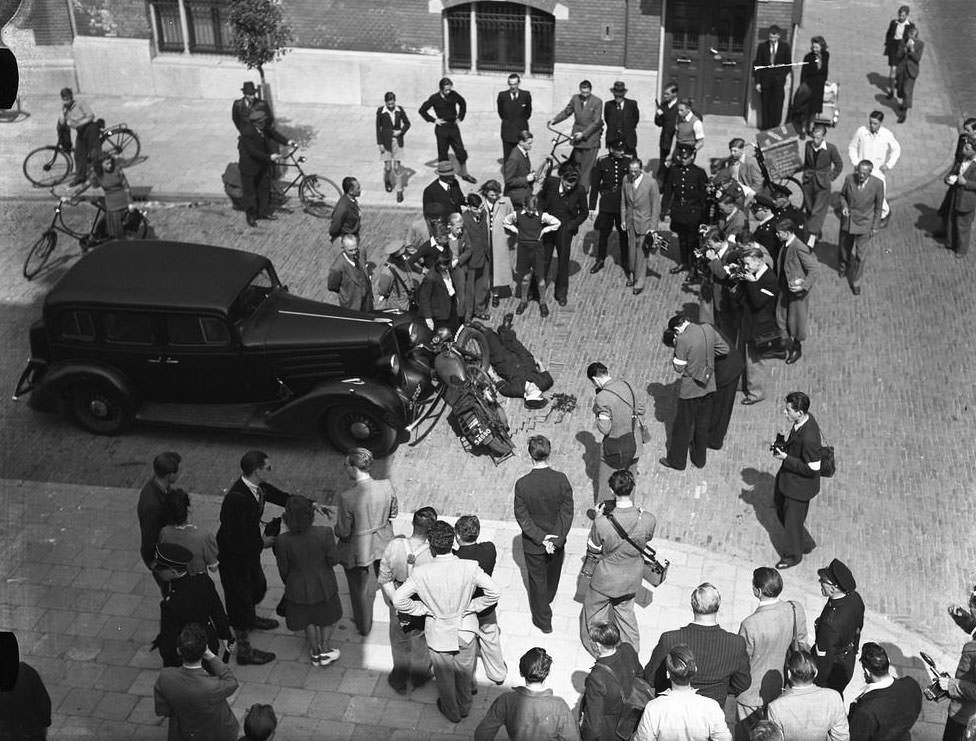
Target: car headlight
395, 365
413, 333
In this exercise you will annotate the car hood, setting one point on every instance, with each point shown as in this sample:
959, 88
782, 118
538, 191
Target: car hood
285, 320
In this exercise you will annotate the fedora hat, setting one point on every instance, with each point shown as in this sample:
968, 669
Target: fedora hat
249, 88
445, 168
618, 87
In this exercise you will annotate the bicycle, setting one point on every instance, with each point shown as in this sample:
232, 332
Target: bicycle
553, 159
786, 163
51, 165
135, 225
318, 194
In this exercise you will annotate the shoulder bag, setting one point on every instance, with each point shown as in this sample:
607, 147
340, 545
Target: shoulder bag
637, 419
634, 703
655, 570
828, 465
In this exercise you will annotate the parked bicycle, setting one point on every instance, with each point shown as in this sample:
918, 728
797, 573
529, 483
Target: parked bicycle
318, 195
49, 166
778, 164
135, 226
554, 159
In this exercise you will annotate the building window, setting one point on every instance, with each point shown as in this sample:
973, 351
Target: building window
188, 26
500, 37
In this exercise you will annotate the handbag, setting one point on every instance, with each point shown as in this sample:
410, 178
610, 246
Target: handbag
769, 342
655, 570
828, 465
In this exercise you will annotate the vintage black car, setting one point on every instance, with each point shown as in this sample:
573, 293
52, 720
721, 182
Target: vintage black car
197, 335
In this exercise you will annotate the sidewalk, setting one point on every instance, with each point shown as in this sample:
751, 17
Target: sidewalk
85, 610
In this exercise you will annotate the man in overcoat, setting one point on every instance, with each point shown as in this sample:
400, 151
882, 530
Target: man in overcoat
587, 112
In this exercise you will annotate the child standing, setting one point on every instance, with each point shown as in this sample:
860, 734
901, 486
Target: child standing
528, 224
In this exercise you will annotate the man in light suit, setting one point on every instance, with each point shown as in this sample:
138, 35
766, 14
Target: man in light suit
862, 200
515, 110
771, 81
640, 207
587, 112
443, 588
961, 200
822, 165
621, 116
744, 169
348, 277
194, 695
909, 55
517, 171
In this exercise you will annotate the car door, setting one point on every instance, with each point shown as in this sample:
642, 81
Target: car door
131, 342
203, 355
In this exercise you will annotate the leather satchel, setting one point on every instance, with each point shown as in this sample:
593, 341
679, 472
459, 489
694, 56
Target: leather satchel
655, 570
828, 465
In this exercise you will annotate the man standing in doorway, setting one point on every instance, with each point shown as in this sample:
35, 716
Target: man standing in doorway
449, 110
771, 71
515, 110
587, 112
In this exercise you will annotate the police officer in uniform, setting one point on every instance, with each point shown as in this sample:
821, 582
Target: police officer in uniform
783, 209
838, 627
684, 199
606, 180
187, 598
764, 233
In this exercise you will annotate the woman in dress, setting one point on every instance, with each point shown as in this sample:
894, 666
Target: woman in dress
496, 209
178, 530
813, 74
306, 554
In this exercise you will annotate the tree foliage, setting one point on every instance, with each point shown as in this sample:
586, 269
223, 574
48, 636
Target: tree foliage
260, 34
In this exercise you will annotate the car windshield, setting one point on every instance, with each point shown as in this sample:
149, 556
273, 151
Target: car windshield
254, 294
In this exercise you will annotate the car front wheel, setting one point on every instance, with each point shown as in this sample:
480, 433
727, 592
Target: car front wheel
359, 425
100, 408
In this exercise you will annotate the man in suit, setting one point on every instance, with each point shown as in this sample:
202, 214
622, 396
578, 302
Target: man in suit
515, 110
888, 706
838, 627
615, 408
770, 71
768, 633
151, 509
442, 197
391, 125
798, 478
877, 144
255, 161
240, 542
962, 703
640, 208
796, 268
683, 202
346, 217
723, 664
862, 201
822, 165
449, 110
606, 183
961, 200
587, 112
439, 294
744, 170
476, 261
621, 116
764, 228
444, 589
517, 172
893, 37
666, 119
805, 710
348, 278
562, 197
757, 294
544, 512
733, 222
194, 696
909, 55
242, 107
695, 348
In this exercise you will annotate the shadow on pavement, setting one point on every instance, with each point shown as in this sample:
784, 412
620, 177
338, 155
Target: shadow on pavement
757, 491
591, 459
929, 219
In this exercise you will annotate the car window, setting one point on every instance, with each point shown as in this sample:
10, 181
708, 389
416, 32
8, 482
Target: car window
196, 330
76, 325
128, 328
254, 294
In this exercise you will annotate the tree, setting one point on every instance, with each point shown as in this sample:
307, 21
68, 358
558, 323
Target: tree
260, 35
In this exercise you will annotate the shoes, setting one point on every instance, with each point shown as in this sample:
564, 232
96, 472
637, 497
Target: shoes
261, 623
787, 563
561, 301
796, 351
677, 269
255, 657
664, 462
902, 116
440, 706
251, 221
597, 267
889, 94
630, 282
856, 290
400, 689
329, 657
269, 217
508, 319
842, 271
638, 291
495, 301
420, 680
808, 549
547, 629
389, 188
884, 221
750, 400
469, 178
939, 234
543, 310
520, 309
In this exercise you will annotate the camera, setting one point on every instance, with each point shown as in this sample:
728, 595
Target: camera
737, 271
933, 692
779, 444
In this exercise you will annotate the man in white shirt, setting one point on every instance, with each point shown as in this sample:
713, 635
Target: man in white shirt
680, 713
876, 143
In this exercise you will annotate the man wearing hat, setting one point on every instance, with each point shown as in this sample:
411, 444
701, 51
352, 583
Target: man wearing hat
764, 232
256, 160
606, 183
683, 202
395, 281
187, 598
348, 277
449, 110
443, 196
621, 116
770, 71
587, 112
838, 627
243, 107
562, 197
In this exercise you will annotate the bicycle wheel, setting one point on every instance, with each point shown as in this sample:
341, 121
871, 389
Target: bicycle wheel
40, 253
47, 166
121, 143
318, 195
796, 191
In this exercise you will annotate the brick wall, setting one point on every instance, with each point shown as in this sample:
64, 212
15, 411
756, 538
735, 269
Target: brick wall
51, 23
123, 18
403, 26
770, 13
643, 34
580, 40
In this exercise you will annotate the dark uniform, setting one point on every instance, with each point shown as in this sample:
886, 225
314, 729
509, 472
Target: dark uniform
254, 149
570, 208
684, 199
838, 630
606, 180
765, 234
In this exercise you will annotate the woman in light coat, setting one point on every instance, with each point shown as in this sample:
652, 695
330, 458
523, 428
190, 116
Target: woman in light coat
496, 209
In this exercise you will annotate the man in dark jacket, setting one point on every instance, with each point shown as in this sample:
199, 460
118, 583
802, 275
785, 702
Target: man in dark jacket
544, 512
392, 124
476, 261
346, 217
608, 685
838, 627
621, 116
888, 707
347, 277
240, 542
442, 197
152, 507
770, 72
683, 200
607, 179
256, 160
440, 293
515, 110
449, 110
666, 118
757, 294
562, 197
517, 171
243, 107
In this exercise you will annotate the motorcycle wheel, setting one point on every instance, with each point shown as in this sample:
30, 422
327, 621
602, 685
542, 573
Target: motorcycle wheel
474, 347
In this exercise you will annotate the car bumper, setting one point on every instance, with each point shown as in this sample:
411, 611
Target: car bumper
30, 378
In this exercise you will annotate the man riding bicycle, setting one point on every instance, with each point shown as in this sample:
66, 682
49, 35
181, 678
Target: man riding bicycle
76, 115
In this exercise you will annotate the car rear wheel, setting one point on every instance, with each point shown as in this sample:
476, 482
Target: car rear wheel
99, 407
359, 425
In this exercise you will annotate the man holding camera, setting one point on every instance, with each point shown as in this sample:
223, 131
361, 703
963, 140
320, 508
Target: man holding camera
798, 480
757, 293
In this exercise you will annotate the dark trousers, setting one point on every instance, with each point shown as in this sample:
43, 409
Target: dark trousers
244, 587
560, 241
507, 148
543, 575
257, 192
691, 427
837, 675
792, 513
953, 731
449, 137
723, 402
687, 240
477, 290
906, 91
86, 148
662, 169
362, 592
604, 223
772, 98
959, 230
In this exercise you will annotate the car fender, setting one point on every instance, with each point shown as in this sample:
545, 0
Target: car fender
59, 377
302, 415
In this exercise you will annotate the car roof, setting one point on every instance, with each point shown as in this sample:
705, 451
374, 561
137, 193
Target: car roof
158, 274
